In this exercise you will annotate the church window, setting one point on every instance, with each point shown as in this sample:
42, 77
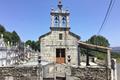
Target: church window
64, 21
56, 21
60, 36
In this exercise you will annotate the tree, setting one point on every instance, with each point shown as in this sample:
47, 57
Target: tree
38, 45
98, 40
35, 45
12, 37
2, 29
28, 42
7, 37
15, 37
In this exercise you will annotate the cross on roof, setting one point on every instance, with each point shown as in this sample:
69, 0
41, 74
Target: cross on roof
60, 4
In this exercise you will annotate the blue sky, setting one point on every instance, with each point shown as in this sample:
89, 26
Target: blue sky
31, 18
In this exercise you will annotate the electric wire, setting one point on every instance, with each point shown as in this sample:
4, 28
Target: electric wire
106, 16
111, 4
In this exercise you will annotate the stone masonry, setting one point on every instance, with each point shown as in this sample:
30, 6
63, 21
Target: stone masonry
89, 73
30, 73
18, 73
51, 42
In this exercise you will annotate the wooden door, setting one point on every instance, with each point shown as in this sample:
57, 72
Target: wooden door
60, 55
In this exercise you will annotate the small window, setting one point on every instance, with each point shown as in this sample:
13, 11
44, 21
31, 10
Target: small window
60, 36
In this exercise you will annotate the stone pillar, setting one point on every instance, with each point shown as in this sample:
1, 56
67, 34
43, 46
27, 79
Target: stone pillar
87, 58
108, 66
54, 71
114, 69
108, 59
52, 21
40, 72
87, 61
60, 21
68, 73
112, 74
68, 21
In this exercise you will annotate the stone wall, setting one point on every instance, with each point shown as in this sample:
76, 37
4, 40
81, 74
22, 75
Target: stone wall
30, 73
90, 73
18, 73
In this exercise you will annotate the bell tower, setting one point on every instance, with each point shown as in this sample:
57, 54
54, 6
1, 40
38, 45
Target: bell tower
60, 17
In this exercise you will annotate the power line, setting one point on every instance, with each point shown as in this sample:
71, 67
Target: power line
107, 15
111, 4
111, 7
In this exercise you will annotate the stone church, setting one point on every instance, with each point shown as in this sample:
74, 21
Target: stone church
61, 56
59, 43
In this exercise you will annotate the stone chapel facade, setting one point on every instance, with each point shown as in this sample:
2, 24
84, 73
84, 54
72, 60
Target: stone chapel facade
60, 43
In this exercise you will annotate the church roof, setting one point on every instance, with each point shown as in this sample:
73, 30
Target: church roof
75, 35
71, 33
44, 35
60, 28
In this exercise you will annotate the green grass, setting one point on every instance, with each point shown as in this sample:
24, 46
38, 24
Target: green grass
116, 56
102, 56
